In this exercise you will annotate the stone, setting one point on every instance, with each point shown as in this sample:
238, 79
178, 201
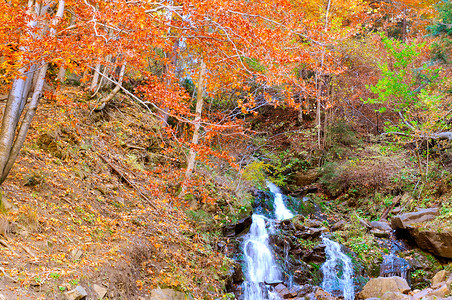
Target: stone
323, 295
168, 294
383, 226
306, 178
380, 233
441, 291
280, 287
377, 287
76, 253
313, 223
274, 283
338, 225
422, 215
439, 278
79, 293
394, 295
235, 229
433, 240
100, 291
422, 294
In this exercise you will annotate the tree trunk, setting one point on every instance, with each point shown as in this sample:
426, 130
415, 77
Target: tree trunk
95, 80
103, 102
12, 136
195, 139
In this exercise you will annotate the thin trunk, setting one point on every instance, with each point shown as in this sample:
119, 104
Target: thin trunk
95, 80
61, 74
195, 139
103, 102
170, 70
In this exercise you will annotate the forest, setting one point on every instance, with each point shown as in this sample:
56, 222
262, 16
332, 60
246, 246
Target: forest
225, 149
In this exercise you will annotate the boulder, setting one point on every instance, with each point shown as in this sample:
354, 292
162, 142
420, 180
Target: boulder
422, 215
377, 287
380, 233
383, 226
439, 278
433, 240
79, 293
100, 291
313, 223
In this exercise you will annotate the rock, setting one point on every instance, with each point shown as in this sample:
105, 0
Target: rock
298, 222
306, 177
380, 233
323, 295
433, 240
313, 223
394, 295
383, 226
422, 294
274, 283
441, 291
338, 225
439, 278
377, 287
235, 229
100, 291
280, 287
79, 293
404, 220
168, 294
76, 253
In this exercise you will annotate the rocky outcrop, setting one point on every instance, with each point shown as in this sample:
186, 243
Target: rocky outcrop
306, 177
429, 238
406, 220
377, 287
433, 240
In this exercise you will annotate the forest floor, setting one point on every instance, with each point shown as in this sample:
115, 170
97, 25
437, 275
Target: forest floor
80, 208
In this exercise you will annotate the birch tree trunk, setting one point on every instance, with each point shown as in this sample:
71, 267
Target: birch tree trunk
13, 132
103, 102
195, 139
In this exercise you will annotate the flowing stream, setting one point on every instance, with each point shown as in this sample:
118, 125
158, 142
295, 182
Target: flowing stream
261, 266
337, 271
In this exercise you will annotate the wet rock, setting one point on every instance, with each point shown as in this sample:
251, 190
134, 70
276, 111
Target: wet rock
79, 293
298, 221
383, 226
274, 283
404, 220
315, 255
377, 287
168, 294
235, 229
323, 295
338, 225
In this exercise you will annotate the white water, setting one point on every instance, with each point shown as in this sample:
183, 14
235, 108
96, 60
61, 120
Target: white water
281, 211
337, 263
261, 267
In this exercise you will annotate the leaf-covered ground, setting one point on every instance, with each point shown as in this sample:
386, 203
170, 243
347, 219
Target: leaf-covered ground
80, 207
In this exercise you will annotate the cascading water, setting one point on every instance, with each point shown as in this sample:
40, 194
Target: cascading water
281, 211
261, 266
337, 271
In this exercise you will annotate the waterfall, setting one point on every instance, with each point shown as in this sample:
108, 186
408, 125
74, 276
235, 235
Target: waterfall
337, 271
281, 211
261, 266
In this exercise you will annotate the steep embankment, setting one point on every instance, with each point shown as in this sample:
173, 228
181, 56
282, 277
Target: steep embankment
81, 207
